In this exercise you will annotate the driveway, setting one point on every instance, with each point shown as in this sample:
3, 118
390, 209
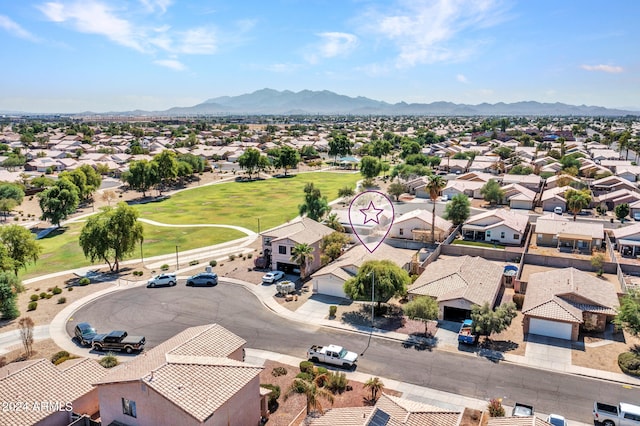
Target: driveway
547, 352
317, 307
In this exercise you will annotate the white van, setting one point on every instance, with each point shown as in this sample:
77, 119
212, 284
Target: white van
557, 210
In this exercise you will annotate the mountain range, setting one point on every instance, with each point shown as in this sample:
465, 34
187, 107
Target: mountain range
309, 102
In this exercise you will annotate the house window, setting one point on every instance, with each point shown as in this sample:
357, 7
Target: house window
282, 249
488, 234
129, 407
502, 234
401, 231
516, 236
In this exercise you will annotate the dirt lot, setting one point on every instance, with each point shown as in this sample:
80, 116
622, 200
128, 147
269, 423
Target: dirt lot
41, 349
603, 357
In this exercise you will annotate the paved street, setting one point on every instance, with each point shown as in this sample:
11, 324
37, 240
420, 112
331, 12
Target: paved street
161, 313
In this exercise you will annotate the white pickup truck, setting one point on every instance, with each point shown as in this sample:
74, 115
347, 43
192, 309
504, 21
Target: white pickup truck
621, 415
332, 354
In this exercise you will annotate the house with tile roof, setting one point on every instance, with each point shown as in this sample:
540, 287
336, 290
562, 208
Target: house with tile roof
54, 393
470, 188
611, 184
553, 230
628, 239
416, 225
389, 410
458, 283
197, 377
530, 181
331, 278
518, 196
278, 242
554, 197
517, 421
558, 303
502, 226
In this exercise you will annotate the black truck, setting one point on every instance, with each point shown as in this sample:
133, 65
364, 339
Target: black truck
118, 341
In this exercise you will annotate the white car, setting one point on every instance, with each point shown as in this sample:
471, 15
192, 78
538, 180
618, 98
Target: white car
557, 210
162, 280
556, 420
272, 277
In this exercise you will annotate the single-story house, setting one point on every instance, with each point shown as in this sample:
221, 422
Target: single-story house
611, 184
478, 177
554, 197
561, 301
628, 239
629, 173
502, 226
560, 180
331, 278
416, 225
197, 377
518, 196
604, 154
470, 188
614, 165
454, 166
457, 283
531, 181
556, 231
621, 196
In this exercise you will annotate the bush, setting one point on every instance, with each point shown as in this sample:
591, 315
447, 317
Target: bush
62, 300
165, 267
59, 355
306, 367
273, 396
137, 273
629, 363
194, 262
250, 255
518, 299
43, 295
320, 370
332, 311
84, 281
56, 290
337, 382
495, 408
32, 306
70, 289
48, 296
213, 263
109, 360
279, 371
34, 297
232, 257
305, 376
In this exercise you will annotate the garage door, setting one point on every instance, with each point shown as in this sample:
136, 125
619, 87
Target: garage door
456, 314
559, 330
330, 289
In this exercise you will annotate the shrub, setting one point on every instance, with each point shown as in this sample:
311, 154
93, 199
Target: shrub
337, 382
62, 300
56, 290
48, 296
213, 263
250, 255
194, 262
84, 281
629, 363
34, 297
43, 295
306, 367
518, 299
165, 267
305, 376
70, 289
32, 306
109, 360
332, 311
273, 396
495, 408
232, 257
279, 371
59, 355
320, 370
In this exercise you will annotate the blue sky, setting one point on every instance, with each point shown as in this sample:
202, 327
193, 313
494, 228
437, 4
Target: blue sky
115, 55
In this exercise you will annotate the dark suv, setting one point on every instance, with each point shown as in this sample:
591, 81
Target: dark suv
203, 278
85, 333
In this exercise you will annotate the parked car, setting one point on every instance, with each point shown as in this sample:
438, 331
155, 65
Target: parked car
85, 333
557, 210
556, 420
522, 410
332, 354
162, 280
118, 340
622, 414
272, 277
203, 278
636, 216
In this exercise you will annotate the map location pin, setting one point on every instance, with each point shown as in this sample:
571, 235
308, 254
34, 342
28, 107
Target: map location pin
371, 216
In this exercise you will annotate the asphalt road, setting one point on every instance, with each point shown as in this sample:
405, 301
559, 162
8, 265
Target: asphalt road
161, 313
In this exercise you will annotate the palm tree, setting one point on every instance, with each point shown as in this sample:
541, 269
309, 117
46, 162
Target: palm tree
375, 385
333, 222
577, 200
434, 186
302, 255
312, 391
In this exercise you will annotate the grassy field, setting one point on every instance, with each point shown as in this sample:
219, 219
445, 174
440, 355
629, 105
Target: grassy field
478, 244
272, 201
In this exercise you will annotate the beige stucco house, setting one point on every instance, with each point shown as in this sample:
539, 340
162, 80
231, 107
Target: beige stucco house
501, 226
416, 225
553, 230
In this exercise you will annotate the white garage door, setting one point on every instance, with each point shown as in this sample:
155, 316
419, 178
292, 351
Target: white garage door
330, 288
559, 330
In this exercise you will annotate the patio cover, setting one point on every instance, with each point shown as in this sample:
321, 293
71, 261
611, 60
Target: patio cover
632, 243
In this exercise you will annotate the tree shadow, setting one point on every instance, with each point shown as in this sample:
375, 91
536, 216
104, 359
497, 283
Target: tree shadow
418, 342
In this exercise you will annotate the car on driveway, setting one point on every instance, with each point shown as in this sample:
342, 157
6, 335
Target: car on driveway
556, 420
162, 280
203, 278
272, 277
85, 333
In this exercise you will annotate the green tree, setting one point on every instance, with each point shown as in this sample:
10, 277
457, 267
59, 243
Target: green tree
380, 148
621, 211
6, 205
339, 145
196, 162
142, 175
312, 391
434, 186
252, 160
111, 235
92, 177
9, 288
375, 385
389, 280
577, 200
370, 167
333, 245
346, 192
78, 178
20, 245
396, 189
302, 255
315, 206
504, 152
458, 209
492, 192
11, 191
59, 201
288, 158
629, 312
423, 308
597, 261
487, 321
167, 167
333, 222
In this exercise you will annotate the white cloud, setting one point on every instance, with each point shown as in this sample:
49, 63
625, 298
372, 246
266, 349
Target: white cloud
461, 78
332, 44
197, 41
174, 64
16, 29
425, 30
93, 17
603, 68
282, 68
152, 5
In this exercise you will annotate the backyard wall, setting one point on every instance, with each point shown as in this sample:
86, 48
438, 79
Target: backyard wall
486, 253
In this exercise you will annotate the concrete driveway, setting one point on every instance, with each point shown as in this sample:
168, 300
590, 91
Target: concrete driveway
317, 307
547, 352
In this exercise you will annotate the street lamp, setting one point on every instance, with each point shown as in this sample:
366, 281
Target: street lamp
141, 257
177, 263
373, 292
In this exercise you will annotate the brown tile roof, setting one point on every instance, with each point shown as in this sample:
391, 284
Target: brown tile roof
560, 227
425, 216
348, 416
492, 218
472, 278
517, 421
627, 231
40, 380
300, 231
563, 295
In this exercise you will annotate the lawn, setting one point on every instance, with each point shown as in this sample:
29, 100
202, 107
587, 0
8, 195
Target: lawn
271, 202
61, 251
478, 244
